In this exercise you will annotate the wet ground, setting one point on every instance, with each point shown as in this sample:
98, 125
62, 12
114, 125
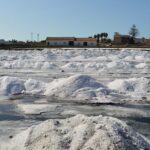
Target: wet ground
12, 120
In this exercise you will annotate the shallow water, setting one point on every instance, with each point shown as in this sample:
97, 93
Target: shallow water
135, 115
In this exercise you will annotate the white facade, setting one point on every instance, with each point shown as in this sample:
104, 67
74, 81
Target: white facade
139, 40
57, 43
86, 43
71, 41
2, 41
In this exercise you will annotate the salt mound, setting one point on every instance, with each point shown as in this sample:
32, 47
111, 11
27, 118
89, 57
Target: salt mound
141, 66
118, 65
69, 86
11, 86
137, 85
48, 65
140, 58
80, 132
73, 67
34, 86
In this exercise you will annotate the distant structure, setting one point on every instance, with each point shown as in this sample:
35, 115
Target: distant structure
126, 39
121, 39
71, 41
38, 37
139, 40
147, 41
2, 41
31, 36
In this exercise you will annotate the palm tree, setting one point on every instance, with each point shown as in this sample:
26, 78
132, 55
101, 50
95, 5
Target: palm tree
97, 36
106, 35
103, 36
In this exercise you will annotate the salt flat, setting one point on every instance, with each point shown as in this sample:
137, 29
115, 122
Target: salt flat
61, 83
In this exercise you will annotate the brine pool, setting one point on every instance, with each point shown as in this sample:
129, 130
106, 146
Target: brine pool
12, 120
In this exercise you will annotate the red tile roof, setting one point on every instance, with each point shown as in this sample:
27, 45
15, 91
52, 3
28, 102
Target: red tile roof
86, 39
60, 38
70, 39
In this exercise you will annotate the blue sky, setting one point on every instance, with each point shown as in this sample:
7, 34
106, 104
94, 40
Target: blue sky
72, 17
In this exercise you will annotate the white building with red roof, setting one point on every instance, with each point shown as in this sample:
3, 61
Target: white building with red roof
71, 41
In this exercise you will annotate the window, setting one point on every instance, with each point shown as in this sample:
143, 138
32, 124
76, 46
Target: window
71, 43
85, 43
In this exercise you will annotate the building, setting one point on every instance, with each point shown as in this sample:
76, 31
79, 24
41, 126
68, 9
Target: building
121, 39
147, 41
126, 39
139, 40
70, 41
2, 41
85, 42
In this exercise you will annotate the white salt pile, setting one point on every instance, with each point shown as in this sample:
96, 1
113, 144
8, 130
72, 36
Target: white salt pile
13, 85
73, 67
79, 133
81, 87
137, 86
77, 60
141, 66
34, 86
77, 86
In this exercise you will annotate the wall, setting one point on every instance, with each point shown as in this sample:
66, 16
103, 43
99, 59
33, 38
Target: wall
81, 43
2, 41
66, 43
58, 43
117, 39
147, 42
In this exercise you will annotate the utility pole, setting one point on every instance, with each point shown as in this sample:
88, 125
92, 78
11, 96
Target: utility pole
31, 36
38, 37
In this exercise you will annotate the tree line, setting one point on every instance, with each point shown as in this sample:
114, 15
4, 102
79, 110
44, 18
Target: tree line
103, 37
